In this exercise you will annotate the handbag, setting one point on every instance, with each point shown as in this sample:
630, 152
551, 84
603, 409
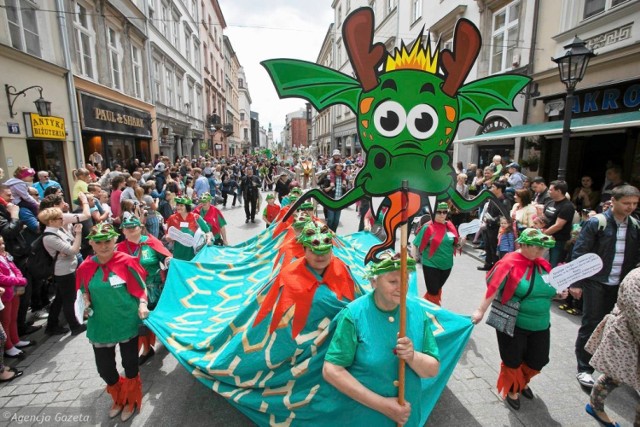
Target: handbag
503, 316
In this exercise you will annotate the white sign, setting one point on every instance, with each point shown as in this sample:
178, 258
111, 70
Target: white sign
185, 239
565, 275
469, 228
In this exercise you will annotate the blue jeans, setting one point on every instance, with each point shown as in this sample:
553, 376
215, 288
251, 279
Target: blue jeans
597, 301
333, 218
557, 254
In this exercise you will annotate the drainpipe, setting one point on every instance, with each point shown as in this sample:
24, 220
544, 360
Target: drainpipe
71, 87
530, 66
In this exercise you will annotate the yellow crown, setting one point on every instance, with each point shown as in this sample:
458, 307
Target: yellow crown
420, 58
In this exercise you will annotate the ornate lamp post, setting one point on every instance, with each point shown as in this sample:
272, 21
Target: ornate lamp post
572, 66
42, 105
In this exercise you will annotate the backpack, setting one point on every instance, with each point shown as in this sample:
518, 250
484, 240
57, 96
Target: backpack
602, 222
41, 263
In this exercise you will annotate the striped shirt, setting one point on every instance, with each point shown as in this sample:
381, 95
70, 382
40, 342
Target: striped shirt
618, 258
338, 187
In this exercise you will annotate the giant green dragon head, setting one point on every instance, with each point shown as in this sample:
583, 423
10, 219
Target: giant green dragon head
408, 105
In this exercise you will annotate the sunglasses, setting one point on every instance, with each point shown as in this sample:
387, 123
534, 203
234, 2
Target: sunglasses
442, 212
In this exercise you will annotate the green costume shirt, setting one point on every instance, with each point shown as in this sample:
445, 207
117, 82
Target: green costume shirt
535, 309
363, 343
115, 311
442, 259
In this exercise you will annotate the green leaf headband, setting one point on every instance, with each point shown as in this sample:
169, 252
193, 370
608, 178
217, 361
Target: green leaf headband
206, 197
442, 206
535, 237
102, 232
306, 206
183, 201
317, 237
270, 196
300, 219
388, 263
131, 222
296, 190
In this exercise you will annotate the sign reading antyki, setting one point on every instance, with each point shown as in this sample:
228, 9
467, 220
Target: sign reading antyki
123, 119
105, 116
47, 127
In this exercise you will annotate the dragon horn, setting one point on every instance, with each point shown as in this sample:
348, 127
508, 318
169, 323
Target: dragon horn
457, 64
365, 57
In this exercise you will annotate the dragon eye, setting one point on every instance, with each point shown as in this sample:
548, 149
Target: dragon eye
389, 118
315, 242
422, 121
326, 240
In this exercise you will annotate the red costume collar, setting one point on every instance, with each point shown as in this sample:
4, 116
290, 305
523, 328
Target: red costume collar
512, 268
119, 265
131, 248
299, 286
437, 230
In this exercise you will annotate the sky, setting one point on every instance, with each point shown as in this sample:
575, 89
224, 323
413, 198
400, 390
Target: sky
269, 29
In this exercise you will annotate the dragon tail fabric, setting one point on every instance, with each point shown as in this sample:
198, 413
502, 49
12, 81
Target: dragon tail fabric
393, 219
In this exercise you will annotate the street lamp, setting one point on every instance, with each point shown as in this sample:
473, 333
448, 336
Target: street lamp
572, 66
43, 106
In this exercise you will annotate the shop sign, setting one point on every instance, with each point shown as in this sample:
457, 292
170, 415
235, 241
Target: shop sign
493, 124
106, 116
218, 146
46, 127
619, 98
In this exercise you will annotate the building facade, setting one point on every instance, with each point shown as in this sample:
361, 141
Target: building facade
175, 75
232, 112
33, 56
211, 32
244, 107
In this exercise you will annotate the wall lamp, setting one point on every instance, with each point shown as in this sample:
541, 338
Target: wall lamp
43, 106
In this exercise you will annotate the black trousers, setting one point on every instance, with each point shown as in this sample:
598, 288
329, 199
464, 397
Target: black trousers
106, 361
434, 278
490, 237
250, 205
224, 197
597, 301
530, 347
64, 301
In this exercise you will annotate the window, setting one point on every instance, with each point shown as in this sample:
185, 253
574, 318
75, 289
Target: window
194, 10
187, 44
504, 38
246, 134
168, 84
157, 80
83, 40
176, 31
23, 26
390, 5
164, 21
136, 61
190, 96
179, 95
416, 10
348, 5
593, 7
241, 83
339, 16
114, 58
242, 116
198, 104
196, 54
339, 55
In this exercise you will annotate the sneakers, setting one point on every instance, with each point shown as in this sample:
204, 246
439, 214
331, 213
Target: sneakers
585, 379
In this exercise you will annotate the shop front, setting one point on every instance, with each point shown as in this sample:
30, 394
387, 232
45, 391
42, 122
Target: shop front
46, 137
117, 132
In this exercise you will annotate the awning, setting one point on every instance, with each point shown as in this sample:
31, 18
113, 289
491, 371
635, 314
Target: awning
584, 124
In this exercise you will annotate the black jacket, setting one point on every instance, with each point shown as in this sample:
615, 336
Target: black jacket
11, 231
603, 244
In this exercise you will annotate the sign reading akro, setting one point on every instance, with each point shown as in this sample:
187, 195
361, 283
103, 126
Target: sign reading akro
48, 127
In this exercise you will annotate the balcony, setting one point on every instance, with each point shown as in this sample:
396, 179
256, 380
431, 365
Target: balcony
227, 128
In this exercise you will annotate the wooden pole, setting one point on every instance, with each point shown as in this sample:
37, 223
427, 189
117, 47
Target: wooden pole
404, 237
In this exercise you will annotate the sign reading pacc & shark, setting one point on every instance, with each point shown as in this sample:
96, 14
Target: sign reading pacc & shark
106, 116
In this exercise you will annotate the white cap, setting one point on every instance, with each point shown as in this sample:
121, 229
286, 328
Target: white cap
336, 152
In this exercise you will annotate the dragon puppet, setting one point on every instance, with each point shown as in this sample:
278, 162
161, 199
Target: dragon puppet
407, 113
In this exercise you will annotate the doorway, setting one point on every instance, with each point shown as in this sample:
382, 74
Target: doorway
49, 156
